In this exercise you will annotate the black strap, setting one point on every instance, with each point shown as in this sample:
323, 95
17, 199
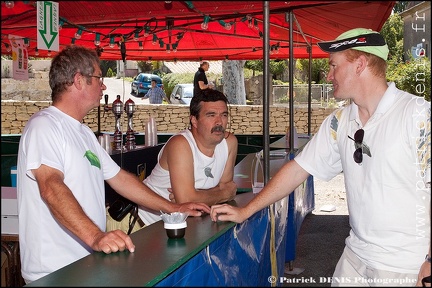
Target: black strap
427, 280
133, 218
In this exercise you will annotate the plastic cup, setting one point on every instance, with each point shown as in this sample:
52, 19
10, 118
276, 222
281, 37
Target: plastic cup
176, 230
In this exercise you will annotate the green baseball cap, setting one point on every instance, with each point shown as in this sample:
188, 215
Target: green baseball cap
361, 39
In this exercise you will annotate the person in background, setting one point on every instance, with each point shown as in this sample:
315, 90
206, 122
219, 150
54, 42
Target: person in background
155, 94
61, 173
382, 143
197, 164
200, 78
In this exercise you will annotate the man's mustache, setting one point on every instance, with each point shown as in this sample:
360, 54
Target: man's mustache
218, 128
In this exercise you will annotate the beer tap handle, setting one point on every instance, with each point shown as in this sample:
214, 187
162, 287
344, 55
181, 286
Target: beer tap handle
106, 107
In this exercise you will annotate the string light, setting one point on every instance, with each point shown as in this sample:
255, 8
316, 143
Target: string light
111, 44
189, 4
250, 25
73, 41
97, 39
26, 42
256, 24
168, 48
204, 25
161, 43
140, 44
154, 41
78, 33
61, 22
36, 51
136, 37
49, 53
174, 47
10, 4
146, 31
227, 26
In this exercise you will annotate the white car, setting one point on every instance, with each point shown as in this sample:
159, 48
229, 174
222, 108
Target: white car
182, 94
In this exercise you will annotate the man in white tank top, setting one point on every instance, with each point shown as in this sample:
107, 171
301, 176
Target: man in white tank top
197, 164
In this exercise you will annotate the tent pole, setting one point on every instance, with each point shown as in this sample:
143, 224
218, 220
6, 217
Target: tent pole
266, 92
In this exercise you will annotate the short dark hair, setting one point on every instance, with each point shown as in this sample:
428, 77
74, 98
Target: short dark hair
206, 95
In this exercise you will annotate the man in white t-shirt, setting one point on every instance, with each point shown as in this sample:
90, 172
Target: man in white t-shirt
61, 173
382, 144
197, 164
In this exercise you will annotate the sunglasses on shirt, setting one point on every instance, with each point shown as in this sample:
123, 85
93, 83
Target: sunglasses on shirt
360, 147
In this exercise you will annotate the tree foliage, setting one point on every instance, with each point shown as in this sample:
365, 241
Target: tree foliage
393, 32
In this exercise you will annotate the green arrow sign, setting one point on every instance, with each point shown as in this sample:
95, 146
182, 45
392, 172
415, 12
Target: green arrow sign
47, 19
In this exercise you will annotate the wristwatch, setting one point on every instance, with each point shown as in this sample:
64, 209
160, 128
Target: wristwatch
428, 258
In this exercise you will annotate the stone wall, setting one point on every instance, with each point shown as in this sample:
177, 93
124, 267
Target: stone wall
245, 119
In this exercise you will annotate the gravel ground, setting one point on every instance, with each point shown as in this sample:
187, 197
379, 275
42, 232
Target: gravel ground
321, 238
331, 193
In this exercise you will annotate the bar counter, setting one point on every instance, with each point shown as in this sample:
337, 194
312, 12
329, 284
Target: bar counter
156, 256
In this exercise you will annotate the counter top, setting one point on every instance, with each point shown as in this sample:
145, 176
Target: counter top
154, 258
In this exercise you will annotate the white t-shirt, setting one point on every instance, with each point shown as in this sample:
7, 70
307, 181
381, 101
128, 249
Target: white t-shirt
159, 179
57, 140
387, 195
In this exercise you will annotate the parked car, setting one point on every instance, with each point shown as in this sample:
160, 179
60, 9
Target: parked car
142, 83
182, 94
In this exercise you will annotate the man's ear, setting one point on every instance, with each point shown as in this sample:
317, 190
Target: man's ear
193, 121
78, 80
361, 62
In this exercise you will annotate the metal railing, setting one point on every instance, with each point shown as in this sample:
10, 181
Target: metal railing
321, 95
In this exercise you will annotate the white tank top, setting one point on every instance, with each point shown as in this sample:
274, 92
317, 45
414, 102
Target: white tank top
207, 172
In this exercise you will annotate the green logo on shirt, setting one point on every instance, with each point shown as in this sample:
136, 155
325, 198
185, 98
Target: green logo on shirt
93, 159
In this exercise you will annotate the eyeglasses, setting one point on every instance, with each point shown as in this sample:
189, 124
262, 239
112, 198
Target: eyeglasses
360, 147
101, 79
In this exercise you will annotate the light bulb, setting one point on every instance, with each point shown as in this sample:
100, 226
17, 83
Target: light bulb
26, 42
227, 26
10, 4
37, 52
97, 39
8, 47
136, 37
204, 26
60, 25
49, 53
140, 44
111, 44
78, 34
146, 31
250, 25
154, 39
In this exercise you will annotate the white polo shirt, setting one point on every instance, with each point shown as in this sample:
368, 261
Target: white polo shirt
388, 198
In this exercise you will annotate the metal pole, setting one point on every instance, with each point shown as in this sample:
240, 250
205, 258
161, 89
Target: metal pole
266, 91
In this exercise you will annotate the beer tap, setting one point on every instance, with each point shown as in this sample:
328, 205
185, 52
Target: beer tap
130, 137
106, 107
117, 109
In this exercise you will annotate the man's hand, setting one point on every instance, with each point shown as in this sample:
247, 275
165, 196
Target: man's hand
225, 212
425, 270
194, 209
112, 241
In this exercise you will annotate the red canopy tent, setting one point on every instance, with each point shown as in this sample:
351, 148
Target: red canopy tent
176, 27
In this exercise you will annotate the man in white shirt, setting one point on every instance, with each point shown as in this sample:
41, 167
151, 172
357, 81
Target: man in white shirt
382, 144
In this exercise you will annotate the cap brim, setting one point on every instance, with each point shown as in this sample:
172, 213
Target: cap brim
365, 40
